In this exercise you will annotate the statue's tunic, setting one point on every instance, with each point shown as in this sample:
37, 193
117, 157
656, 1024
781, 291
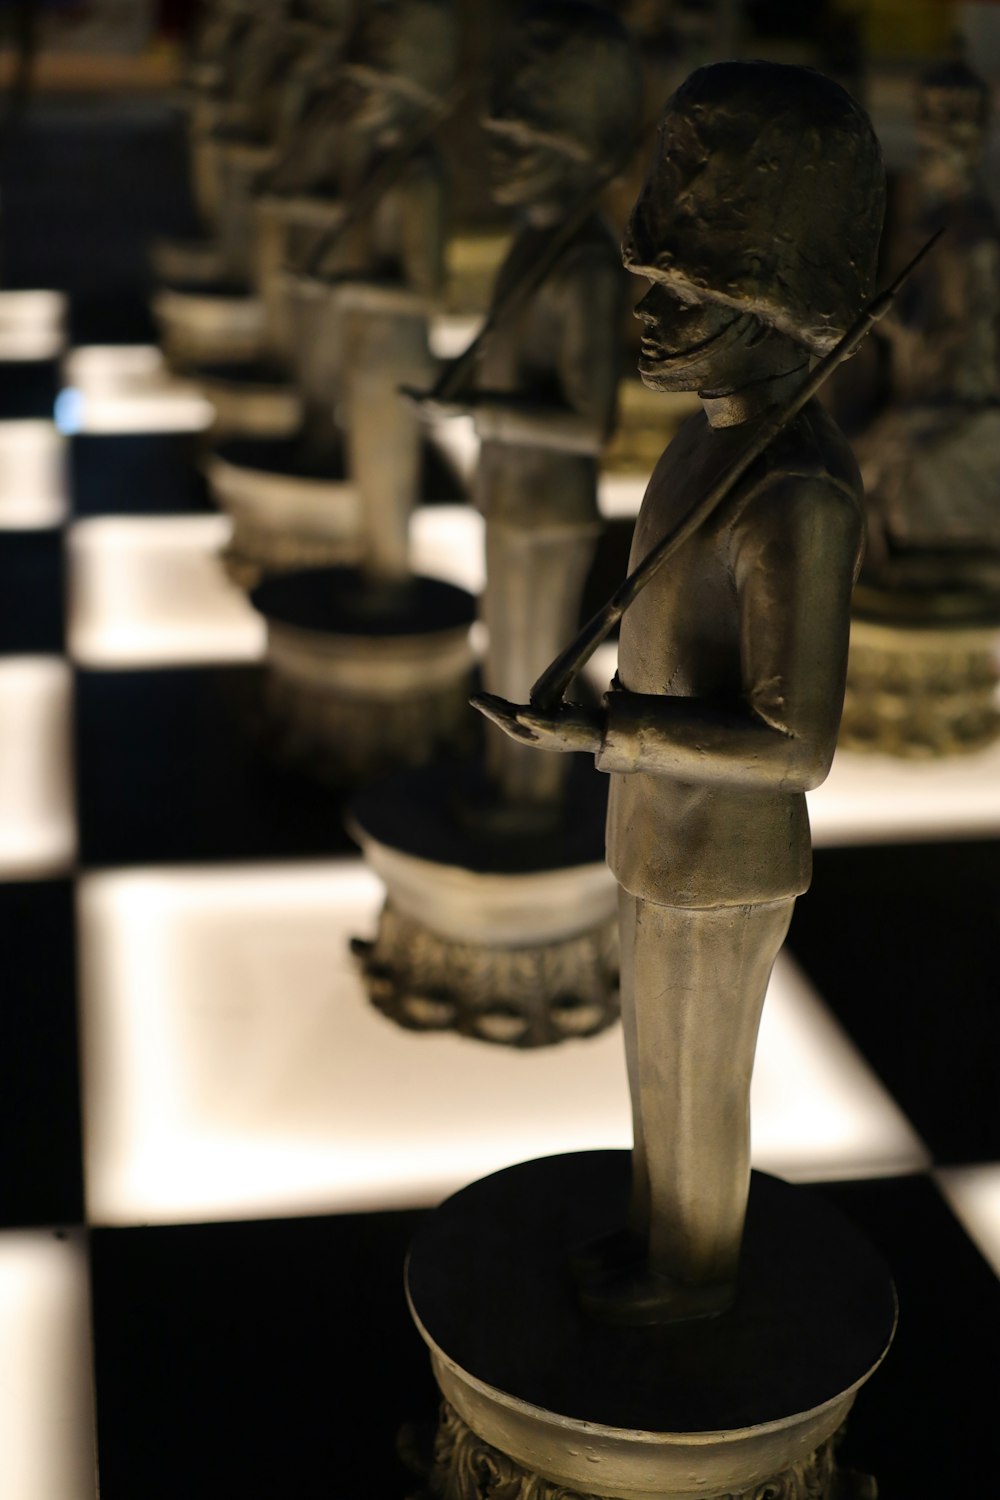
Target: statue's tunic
749, 615
553, 352
553, 362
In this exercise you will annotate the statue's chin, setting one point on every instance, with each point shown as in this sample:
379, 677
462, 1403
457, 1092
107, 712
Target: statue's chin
667, 378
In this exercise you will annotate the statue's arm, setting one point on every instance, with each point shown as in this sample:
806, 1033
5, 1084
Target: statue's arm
578, 414
795, 549
413, 284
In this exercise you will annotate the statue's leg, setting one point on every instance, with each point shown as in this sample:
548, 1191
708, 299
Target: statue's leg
693, 987
531, 610
385, 351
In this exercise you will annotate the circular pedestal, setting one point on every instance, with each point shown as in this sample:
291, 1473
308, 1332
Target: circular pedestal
362, 681
286, 514
252, 399
505, 935
203, 325
740, 1405
923, 674
188, 262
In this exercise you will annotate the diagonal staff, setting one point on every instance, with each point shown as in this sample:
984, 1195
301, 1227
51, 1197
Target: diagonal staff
548, 691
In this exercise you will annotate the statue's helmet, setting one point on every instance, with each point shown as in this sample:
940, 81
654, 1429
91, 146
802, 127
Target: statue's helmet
571, 73
766, 194
410, 46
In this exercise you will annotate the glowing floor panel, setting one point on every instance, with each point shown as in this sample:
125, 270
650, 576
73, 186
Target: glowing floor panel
233, 1067
150, 591
34, 483
37, 816
877, 799
46, 1414
974, 1195
127, 388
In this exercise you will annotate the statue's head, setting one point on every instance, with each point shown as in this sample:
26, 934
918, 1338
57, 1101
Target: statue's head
564, 102
759, 220
952, 113
402, 58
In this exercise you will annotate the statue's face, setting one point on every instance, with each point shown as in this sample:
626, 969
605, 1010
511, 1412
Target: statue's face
527, 165
682, 339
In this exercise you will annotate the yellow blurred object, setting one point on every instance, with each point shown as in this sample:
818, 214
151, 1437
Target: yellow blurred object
904, 28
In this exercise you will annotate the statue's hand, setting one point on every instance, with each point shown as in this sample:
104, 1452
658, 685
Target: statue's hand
567, 727
431, 408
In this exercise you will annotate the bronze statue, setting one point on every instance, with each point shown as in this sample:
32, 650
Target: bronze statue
514, 832
563, 113
931, 460
757, 229
386, 270
923, 670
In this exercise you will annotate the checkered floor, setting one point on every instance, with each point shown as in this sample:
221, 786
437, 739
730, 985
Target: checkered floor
213, 1153
216, 1152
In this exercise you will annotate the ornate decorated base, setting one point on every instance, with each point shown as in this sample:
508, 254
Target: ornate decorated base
542, 1402
505, 936
220, 323
287, 513
252, 399
360, 682
923, 674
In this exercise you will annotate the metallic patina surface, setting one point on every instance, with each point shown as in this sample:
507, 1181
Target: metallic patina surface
757, 228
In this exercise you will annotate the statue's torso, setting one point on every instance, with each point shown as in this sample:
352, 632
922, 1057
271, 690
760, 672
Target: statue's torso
701, 845
529, 356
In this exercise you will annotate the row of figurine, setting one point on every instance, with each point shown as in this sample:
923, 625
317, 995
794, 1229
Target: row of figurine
305, 313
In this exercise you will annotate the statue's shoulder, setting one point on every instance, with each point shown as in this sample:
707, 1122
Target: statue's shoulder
811, 447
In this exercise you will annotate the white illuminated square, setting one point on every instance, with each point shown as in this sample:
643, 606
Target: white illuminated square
448, 541
151, 591
47, 1447
32, 324
974, 1195
37, 813
234, 1068
34, 482
127, 388
870, 799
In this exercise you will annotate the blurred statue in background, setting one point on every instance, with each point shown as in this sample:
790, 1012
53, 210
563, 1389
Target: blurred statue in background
563, 113
757, 229
931, 461
524, 953
386, 270
923, 660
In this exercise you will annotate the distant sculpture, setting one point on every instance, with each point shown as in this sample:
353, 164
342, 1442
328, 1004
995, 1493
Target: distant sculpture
563, 112
757, 229
931, 460
387, 271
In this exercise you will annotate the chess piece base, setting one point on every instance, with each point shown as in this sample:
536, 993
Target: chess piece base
286, 514
361, 681
745, 1404
922, 675
217, 323
191, 262
504, 935
251, 399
